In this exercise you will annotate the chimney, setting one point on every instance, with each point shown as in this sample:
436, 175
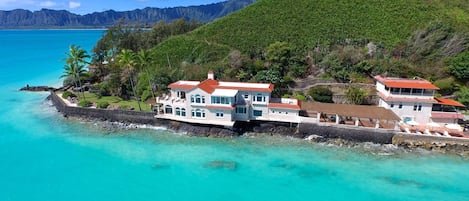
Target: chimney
210, 75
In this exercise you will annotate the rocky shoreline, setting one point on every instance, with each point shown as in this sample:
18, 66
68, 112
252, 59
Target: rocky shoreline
337, 135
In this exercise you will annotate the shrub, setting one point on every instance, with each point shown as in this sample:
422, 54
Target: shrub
356, 95
67, 94
146, 95
102, 104
84, 103
321, 94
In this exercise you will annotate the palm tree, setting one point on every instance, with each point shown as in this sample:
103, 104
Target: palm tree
143, 60
127, 60
73, 73
76, 58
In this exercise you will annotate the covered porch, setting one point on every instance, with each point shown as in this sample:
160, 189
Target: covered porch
353, 115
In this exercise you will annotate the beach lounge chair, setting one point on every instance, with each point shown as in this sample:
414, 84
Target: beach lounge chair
427, 132
407, 130
445, 133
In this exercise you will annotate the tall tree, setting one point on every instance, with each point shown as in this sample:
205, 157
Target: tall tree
76, 58
126, 59
72, 73
143, 60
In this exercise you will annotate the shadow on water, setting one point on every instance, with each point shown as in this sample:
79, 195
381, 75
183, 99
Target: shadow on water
402, 182
158, 166
223, 165
304, 171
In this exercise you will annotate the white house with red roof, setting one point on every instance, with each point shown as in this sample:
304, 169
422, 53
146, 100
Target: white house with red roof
223, 103
414, 100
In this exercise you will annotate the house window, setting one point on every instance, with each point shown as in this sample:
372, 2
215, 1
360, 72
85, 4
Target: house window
181, 94
219, 114
400, 105
241, 110
257, 113
183, 112
221, 100
168, 109
197, 99
417, 91
420, 107
198, 113
392, 105
415, 107
246, 96
178, 111
259, 98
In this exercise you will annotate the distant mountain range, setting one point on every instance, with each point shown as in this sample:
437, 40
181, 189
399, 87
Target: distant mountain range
46, 18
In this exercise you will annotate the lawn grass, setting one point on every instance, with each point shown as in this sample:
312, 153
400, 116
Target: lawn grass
117, 101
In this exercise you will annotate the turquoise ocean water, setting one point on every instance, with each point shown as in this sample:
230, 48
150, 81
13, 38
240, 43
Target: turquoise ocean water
46, 157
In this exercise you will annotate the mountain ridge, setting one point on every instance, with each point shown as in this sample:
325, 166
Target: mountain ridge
47, 18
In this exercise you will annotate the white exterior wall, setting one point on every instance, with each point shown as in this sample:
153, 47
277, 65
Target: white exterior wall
260, 107
246, 99
381, 88
407, 110
227, 114
283, 114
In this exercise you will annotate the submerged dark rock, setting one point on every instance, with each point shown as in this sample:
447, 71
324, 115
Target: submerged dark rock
228, 165
37, 88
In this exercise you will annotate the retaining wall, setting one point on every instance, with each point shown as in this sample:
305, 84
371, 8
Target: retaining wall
302, 130
357, 134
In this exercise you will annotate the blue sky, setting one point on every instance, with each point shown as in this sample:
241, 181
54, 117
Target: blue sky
89, 6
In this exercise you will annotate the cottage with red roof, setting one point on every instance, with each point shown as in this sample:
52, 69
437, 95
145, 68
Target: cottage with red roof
414, 100
223, 103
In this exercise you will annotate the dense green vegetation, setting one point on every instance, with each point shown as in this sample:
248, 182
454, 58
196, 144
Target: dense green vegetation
279, 41
307, 23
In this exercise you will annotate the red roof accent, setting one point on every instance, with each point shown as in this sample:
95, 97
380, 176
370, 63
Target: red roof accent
208, 85
284, 106
447, 115
270, 89
223, 107
181, 86
403, 99
445, 101
406, 83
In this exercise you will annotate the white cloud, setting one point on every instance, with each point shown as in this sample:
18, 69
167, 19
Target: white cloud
73, 4
15, 3
47, 4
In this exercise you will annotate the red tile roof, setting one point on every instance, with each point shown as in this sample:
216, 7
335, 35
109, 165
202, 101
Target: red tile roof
445, 101
176, 85
270, 89
406, 83
284, 106
208, 85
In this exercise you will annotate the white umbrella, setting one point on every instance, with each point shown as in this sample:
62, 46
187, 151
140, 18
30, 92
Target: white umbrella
412, 123
453, 126
433, 124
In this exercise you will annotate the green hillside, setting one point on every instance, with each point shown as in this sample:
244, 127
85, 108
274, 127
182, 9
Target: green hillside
283, 41
308, 22
304, 24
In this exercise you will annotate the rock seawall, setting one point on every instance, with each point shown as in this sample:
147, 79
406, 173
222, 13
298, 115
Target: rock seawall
138, 117
356, 134
302, 130
440, 144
